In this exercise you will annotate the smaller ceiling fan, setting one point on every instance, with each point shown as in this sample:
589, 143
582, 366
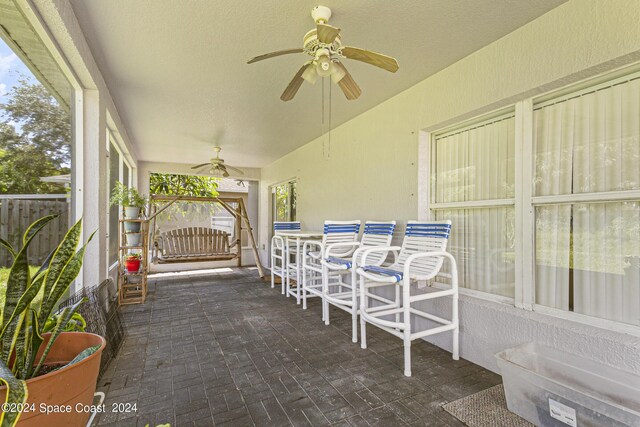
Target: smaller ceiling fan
218, 167
324, 45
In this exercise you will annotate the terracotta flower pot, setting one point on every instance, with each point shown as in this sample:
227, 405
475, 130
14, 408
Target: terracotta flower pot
132, 265
70, 388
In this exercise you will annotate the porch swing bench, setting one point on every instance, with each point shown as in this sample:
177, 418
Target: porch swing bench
193, 244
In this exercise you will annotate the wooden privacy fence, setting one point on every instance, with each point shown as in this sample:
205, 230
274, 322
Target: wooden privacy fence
17, 214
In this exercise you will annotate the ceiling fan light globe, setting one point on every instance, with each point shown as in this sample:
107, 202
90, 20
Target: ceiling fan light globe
321, 13
310, 74
324, 66
337, 73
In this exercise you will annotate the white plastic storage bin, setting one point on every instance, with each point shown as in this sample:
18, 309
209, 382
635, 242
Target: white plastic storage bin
544, 385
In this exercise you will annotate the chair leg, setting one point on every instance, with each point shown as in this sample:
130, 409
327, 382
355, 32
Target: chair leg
288, 287
363, 322
407, 354
285, 270
304, 287
454, 316
354, 325
325, 290
298, 286
406, 295
273, 276
354, 307
456, 353
299, 272
398, 304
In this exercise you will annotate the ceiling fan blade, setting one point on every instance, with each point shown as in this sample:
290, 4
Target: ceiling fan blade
379, 60
199, 166
327, 33
274, 54
294, 85
234, 169
348, 86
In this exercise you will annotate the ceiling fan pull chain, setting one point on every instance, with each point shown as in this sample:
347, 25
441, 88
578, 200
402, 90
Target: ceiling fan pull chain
322, 125
330, 105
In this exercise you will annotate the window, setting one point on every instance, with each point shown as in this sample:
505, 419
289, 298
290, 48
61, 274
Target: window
284, 202
126, 175
472, 176
579, 249
587, 204
36, 142
114, 211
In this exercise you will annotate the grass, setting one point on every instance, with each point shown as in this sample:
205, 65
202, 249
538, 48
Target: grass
4, 275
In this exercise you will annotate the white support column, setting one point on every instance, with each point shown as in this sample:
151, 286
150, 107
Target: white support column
142, 176
77, 154
94, 191
77, 167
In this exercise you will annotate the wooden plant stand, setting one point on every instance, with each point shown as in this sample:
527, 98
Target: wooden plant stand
132, 287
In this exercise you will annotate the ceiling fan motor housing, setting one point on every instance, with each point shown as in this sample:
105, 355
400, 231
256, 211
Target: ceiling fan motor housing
311, 44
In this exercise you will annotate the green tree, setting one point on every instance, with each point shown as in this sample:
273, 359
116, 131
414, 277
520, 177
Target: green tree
183, 185
35, 139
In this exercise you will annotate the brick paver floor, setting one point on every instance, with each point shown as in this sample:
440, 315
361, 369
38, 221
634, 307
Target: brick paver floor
226, 349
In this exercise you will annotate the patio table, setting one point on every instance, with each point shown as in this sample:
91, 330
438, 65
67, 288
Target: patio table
298, 236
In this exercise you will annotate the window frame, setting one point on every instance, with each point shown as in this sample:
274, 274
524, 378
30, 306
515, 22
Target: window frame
433, 206
292, 183
112, 141
532, 202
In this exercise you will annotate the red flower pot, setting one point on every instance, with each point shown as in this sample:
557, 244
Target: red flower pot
132, 265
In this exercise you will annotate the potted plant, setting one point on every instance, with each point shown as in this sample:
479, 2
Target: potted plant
133, 239
132, 202
132, 262
39, 368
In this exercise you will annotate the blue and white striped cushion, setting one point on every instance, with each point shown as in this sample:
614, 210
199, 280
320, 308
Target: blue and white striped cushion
341, 228
384, 229
335, 260
280, 226
397, 275
428, 230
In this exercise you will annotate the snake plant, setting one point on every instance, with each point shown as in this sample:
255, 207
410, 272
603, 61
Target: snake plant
23, 322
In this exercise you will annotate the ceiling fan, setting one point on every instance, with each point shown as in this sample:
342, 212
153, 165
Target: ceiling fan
218, 167
324, 45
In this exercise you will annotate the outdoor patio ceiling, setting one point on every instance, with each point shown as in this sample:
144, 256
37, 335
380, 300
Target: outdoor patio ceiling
179, 77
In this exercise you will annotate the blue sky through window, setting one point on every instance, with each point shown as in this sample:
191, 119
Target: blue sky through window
10, 67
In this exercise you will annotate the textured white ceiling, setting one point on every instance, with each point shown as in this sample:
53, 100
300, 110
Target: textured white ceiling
177, 69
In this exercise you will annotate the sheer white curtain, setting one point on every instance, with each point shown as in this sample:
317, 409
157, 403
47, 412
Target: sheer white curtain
588, 254
473, 165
